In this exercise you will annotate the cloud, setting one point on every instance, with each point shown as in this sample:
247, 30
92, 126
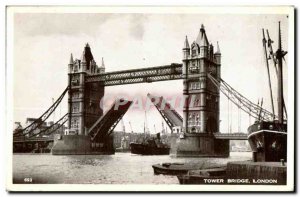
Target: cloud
137, 28
70, 24
37, 24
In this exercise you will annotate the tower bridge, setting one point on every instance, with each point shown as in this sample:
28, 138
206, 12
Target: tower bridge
89, 128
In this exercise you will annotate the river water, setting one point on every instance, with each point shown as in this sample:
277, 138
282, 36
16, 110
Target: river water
121, 168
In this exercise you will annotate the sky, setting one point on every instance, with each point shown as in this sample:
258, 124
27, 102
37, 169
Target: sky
43, 43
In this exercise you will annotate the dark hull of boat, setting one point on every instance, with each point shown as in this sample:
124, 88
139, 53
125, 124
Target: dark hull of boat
268, 141
143, 149
159, 169
122, 150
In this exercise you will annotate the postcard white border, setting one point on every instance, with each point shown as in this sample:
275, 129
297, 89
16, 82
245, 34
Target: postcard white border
289, 10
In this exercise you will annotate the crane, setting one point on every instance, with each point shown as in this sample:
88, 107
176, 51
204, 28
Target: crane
123, 125
131, 127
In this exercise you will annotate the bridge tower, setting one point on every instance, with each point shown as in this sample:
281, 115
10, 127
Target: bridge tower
201, 111
83, 103
84, 99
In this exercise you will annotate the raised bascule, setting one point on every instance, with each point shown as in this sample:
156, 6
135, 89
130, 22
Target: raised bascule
89, 129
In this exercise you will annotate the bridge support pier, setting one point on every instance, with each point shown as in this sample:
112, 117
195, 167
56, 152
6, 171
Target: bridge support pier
199, 145
82, 145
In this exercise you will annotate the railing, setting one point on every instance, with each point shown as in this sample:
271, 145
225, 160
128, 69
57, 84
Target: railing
33, 139
144, 75
232, 136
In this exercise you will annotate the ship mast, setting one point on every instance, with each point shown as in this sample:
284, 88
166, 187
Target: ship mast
271, 52
123, 126
279, 55
272, 56
130, 127
267, 63
145, 124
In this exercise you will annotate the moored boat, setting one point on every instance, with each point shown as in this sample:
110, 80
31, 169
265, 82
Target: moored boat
170, 168
150, 146
268, 141
182, 168
268, 138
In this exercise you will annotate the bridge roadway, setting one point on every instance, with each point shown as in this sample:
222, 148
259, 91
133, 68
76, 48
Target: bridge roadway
231, 136
32, 139
143, 75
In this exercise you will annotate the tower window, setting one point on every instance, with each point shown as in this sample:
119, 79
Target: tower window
201, 52
194, 52
75, 123
76, 68
194, 67
75, 108
194, 86
75, 95
197, 120
191, 85
196, 103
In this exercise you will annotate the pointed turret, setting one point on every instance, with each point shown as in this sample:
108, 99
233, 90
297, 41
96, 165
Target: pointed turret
102, 63
218, 49
211, 52
83, 59
71, 64
217, 60
186, 43
71, 59
102, 67
83, 62
87, 56
92, 66
186, 49
218, 55
202, 40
